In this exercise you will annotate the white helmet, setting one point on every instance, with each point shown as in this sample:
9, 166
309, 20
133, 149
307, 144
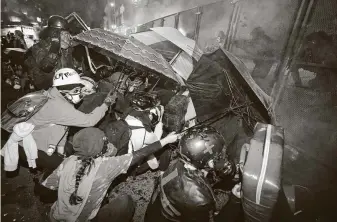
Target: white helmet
90, 85
66, 76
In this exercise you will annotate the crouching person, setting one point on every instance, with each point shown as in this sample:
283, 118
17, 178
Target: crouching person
182, 192
83, 179
58, 113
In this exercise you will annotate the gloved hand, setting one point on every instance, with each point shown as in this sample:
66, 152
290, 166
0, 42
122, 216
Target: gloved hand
110, 99
237, 190
170, 138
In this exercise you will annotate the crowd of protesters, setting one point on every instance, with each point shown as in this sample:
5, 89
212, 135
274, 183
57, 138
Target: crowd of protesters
92, 128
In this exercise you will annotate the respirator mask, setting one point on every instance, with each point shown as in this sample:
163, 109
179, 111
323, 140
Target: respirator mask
74, 96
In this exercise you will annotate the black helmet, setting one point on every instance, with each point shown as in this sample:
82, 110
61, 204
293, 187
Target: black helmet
200, 145
56, 21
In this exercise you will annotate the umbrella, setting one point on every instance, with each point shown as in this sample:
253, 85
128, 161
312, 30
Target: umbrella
221, 86
127, 50
177, 38
76, 24
182, 52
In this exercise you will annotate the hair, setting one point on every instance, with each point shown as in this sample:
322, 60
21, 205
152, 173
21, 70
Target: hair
86, 163
74, 199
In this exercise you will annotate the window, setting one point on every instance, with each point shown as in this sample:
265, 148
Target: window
187, 23
214, 22
169, 21
157, 23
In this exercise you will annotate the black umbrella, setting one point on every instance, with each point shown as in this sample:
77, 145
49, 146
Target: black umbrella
221, 88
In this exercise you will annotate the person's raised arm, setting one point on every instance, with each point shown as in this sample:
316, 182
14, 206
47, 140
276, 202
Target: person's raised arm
139, 155
73, 117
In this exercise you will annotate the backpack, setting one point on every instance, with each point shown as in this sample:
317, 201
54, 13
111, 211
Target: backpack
174, 115
23, 109
119, 133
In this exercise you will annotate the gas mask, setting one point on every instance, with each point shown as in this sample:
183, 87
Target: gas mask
74, 96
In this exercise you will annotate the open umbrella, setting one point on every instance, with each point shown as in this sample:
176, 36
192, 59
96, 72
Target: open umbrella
130, 51
221, 89
76, 24
181, 51
177, 38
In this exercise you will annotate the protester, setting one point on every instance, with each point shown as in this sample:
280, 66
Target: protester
53, 52
19, 40
145, 121
83, 179
182, 192
53, 119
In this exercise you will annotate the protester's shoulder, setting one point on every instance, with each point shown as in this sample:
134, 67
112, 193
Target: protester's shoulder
116, 164
118, 160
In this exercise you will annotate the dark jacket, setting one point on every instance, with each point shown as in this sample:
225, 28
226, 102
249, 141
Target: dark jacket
44, 59
184, 195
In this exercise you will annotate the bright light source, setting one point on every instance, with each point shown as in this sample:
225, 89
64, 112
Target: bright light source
113, 26
14, 19
38, 19
112, 4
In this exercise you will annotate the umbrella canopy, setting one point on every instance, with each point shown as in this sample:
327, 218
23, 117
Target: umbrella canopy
127, 50
220, 83
176, 48
177, 38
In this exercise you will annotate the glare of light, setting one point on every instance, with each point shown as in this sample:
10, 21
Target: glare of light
24, 12
113, 26
14, 19
112, 4
38, 19
182, 31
